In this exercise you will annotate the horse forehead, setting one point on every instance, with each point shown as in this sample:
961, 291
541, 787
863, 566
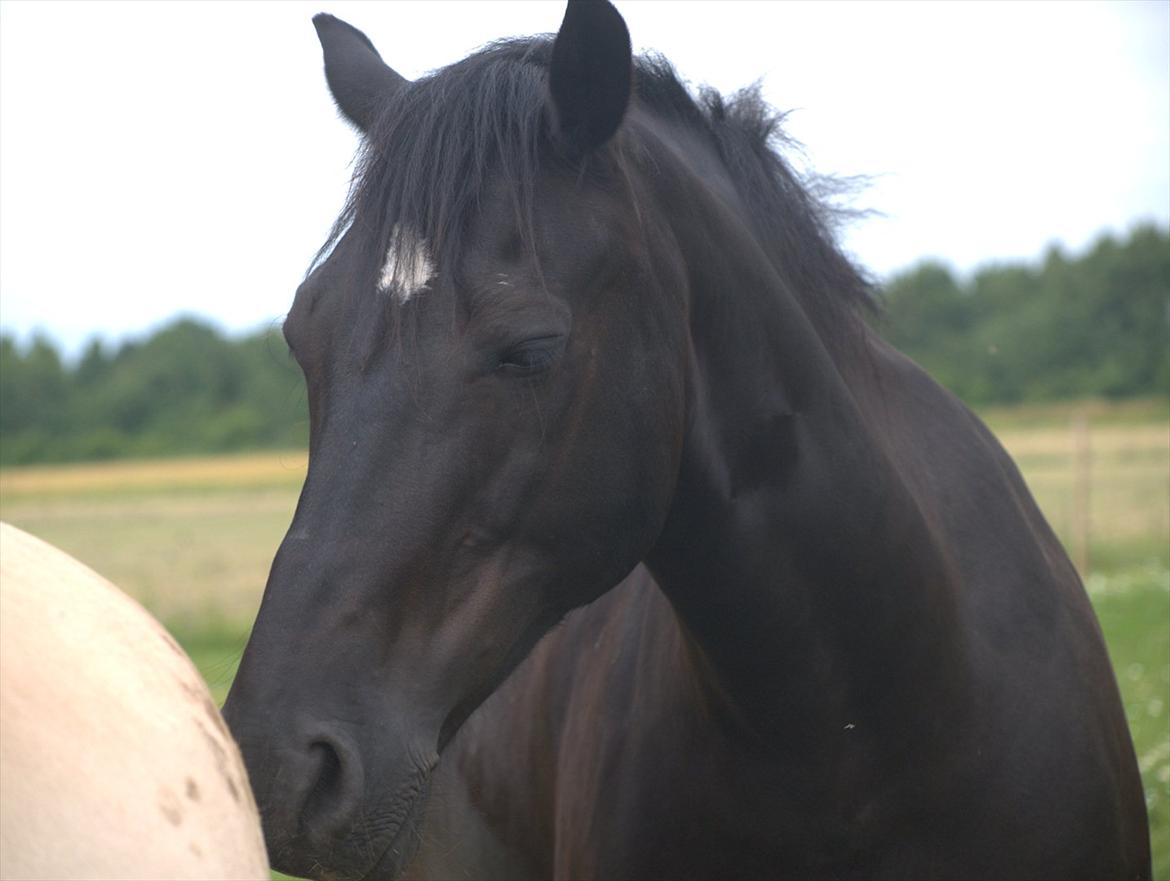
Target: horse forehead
407, 267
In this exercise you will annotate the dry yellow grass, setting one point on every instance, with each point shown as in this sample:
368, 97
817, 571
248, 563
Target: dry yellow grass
195, 536
191, 538
1126, 469
248, 471
1147, 441
191, 559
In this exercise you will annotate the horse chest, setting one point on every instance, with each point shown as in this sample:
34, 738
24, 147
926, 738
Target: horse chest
687, 814
623, 775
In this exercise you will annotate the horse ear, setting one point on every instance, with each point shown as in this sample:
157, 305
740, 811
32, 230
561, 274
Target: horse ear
358, 78
590, 73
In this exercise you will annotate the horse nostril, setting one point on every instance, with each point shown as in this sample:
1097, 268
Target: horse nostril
328, 765
336, 792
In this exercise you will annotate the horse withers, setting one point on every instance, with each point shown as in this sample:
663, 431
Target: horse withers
114, 762
626, 549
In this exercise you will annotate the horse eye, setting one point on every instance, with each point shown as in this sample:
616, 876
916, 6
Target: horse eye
532, 356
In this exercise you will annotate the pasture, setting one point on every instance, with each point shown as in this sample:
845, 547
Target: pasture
192, 539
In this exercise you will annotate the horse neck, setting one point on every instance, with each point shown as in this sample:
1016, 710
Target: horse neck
805, 577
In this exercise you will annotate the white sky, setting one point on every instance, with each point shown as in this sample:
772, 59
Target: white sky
158, 158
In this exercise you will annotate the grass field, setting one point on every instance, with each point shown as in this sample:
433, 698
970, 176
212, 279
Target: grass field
192, 539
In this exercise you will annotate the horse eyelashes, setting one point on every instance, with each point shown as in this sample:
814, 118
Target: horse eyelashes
531, 357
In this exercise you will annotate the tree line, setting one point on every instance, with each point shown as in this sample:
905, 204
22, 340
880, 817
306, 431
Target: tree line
1096, 325
187, 388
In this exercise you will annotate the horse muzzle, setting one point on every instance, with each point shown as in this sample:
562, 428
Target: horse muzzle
325, 816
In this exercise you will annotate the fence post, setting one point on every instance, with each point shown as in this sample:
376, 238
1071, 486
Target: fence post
1082, 492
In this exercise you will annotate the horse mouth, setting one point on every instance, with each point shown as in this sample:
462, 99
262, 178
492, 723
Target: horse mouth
404, 837
377, 847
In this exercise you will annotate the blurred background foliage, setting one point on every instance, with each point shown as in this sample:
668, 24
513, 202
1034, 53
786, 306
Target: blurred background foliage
1095, 325
185, 389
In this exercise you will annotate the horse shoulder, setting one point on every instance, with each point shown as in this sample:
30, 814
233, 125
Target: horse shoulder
1032, 642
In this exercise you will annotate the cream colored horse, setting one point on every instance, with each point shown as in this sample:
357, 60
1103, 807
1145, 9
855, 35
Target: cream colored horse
114, 762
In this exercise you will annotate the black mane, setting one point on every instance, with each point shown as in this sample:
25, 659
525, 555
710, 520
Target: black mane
431, 151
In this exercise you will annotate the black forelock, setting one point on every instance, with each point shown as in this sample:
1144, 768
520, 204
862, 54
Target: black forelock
428, 158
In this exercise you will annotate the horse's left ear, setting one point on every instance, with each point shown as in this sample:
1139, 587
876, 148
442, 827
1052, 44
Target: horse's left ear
590, 73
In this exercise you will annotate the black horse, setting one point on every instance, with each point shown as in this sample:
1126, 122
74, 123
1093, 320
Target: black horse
626, 549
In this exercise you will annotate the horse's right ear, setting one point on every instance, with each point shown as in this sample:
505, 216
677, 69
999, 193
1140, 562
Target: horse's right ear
358, 77
590, 74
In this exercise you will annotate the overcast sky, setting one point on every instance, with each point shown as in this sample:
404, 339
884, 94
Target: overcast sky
158, 158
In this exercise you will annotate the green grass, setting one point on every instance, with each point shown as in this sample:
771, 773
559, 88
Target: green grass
1133, 606
192, 539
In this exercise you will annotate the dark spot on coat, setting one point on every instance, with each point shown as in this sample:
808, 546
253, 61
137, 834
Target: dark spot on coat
221, 757
168, 805
192, 790
231, 785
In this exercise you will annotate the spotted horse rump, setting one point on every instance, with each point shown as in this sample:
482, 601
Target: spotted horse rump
114, 761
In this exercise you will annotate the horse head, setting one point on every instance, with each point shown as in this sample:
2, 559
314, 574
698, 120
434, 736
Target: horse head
496, 421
